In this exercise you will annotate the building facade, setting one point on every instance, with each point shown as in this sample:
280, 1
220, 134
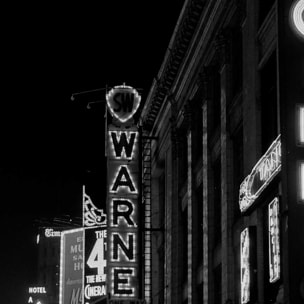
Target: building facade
224, 116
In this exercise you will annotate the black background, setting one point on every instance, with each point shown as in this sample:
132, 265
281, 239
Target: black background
51, 145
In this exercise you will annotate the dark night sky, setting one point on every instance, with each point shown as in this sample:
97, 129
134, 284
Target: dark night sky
51, 145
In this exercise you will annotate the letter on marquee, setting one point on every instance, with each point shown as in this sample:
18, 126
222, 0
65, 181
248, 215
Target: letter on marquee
123, 209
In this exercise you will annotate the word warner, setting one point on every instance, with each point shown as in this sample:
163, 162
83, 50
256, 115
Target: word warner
123, 194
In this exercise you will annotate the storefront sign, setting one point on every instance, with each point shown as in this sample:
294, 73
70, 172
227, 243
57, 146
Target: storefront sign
261, 175
123, 195
71, 267
274, 241
96, 264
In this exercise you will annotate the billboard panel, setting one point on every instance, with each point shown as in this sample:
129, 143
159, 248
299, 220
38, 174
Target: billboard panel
71, 267
95, 265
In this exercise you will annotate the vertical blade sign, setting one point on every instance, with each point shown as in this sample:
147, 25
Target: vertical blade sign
122, 204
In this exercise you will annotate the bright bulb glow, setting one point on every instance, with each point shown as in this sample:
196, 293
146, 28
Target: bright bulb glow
301, 124
297, 17
302, 182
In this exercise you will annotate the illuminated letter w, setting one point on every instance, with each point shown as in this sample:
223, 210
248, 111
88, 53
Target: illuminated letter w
122, 143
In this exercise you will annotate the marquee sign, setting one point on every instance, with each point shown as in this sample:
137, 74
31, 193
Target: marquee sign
261, 175
123, 196
95, 264
123, 101
274, 241
123, 189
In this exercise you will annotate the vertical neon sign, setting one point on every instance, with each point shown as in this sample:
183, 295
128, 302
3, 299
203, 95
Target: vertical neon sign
301, 182
300, 124
274, 241
123, 194
245, 266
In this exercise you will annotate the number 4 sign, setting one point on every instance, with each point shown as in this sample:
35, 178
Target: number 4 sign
96, 263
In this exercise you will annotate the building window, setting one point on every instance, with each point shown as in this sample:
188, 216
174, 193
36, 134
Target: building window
269, 115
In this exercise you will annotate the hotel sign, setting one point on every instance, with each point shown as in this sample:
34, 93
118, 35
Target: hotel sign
274, 241
261, 175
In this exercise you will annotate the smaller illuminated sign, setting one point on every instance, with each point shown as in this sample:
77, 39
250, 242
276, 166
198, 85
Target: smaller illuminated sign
71, 266
123, 102
50, 232
37, 290
297, 17
261, 175
248, 265
95, 271
37, 294
245, 266
300, 125
274, 241
301, 182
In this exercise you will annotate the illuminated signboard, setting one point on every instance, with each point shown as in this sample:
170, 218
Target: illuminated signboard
96, 264
123, 195
300, 124
301, 182
297, 17
248, 265
71, 267
92, 216
123, 171
123, 101
50, 232
274, 241
261, 175
37, 295
245, 266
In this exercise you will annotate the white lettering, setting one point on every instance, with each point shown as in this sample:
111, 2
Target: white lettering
94, 291
37, 290
49, 232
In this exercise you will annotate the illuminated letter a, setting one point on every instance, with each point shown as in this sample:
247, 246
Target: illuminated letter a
123, 179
